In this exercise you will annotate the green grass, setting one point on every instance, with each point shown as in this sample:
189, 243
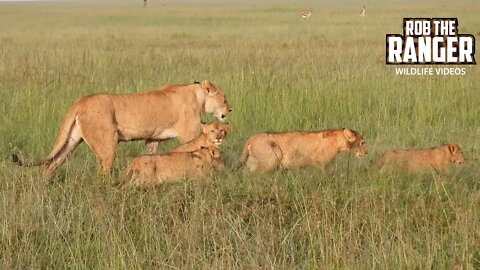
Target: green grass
280, 73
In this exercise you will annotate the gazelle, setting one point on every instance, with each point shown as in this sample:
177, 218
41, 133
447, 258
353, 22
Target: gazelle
363, 12
306, 14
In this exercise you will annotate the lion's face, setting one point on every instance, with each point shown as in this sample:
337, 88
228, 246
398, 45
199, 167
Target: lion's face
215, 101
359, 147
455, 154
215, 132
356, 142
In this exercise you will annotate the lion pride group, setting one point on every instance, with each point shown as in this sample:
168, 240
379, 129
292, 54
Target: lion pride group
174, 111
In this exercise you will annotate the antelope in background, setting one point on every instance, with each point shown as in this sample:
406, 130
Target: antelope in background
363, 12
306, 14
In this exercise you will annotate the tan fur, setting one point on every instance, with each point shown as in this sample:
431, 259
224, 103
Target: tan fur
412, 160
101, 120
212, 136
150, 170
265, 151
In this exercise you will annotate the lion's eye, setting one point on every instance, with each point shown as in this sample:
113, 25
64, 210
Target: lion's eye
212, 130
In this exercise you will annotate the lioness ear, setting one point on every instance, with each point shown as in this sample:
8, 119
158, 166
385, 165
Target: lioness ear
214, 152
209, 88
196, 154
226, 127
349, 135
205, 128
452, 148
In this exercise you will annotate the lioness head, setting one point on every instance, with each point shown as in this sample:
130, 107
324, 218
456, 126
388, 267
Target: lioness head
454, 153
355, 142
215, 101
215, 132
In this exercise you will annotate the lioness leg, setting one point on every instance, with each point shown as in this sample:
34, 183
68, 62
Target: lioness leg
152, 147
263, 156
102, 138
72, 143
254, 165
264, 163
105, 153
268, 164
251, 164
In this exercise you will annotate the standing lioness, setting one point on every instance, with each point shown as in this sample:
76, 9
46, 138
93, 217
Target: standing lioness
265, 151
437, 158
102, 120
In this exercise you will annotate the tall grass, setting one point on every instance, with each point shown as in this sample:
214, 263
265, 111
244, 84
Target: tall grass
280, 73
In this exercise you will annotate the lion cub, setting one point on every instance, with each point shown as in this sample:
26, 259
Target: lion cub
265, 151
212, 135
147, 170
412, 160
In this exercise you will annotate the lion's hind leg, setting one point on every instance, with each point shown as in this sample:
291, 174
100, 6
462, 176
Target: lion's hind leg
73, 141
263, 156
102, 137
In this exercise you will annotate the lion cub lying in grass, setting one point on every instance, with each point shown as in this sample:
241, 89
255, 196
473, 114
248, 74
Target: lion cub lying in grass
212, 135
194, 159
148, 170
265, 151
412, 160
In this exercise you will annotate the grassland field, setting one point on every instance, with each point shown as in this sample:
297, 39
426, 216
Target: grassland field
279, 73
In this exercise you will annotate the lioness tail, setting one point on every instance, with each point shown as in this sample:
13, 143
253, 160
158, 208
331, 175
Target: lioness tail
243, 157
62, 138
17, 160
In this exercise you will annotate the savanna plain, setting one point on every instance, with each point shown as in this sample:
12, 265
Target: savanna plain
279, 73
